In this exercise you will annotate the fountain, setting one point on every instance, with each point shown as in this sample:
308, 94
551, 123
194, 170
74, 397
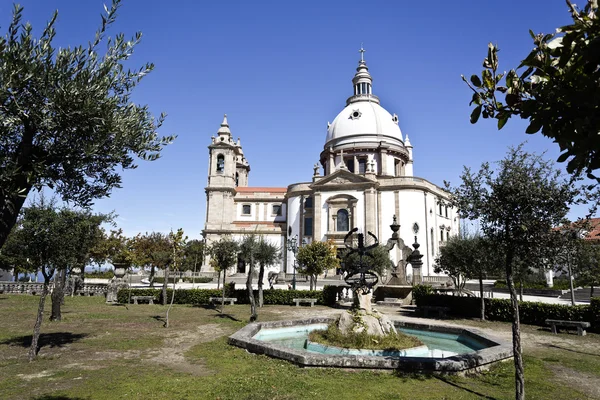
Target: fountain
444, 349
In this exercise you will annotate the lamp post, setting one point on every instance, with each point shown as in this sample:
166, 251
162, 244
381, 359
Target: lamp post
292, 245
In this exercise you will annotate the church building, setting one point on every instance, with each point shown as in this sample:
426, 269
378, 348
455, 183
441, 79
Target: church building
367, 180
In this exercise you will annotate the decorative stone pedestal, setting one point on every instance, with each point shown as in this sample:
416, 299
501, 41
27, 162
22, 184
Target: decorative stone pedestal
117, 283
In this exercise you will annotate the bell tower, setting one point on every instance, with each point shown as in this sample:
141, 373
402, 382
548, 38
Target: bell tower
227, 169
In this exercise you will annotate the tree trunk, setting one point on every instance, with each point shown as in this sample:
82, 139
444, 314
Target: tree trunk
152, 271
261, 275
315, 282
253, 315
571, 284
170, 305
516, 331
223, 292
481, 295
33, 350
58, 295
218, 280
10, 206
592, 291
165, 285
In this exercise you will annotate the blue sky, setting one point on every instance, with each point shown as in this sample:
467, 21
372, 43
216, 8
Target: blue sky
281, 70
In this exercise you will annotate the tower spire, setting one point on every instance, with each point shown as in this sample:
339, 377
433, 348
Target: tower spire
362, 81
224, 129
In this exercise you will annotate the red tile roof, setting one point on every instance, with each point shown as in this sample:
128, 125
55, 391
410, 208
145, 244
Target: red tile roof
594, 233
261, 189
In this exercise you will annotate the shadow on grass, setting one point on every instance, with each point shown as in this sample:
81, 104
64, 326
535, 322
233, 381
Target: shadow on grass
55, 339
449, 382
227, 316
553, 346
160, 318
409, 375
59, 397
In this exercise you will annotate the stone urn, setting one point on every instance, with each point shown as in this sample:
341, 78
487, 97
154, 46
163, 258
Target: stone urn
117, 282
120, 269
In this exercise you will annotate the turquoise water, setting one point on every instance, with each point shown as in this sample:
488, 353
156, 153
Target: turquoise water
437, 344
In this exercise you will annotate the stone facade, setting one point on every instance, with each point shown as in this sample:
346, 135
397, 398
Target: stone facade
367, 179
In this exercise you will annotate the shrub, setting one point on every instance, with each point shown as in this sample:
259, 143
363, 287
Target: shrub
421, 290
201, 296
532, 313
107, 274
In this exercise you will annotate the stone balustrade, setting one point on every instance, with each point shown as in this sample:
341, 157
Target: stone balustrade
36, 288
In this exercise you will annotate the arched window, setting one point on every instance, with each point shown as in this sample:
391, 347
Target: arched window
237, 179
342, 221
220, 163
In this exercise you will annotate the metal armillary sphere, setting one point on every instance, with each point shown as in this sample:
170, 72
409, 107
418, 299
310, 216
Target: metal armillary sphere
359, 276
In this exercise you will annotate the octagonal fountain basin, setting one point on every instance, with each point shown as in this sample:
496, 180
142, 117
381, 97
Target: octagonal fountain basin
447, 349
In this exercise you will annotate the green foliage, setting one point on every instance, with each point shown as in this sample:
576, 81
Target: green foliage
554, 87
193, 255
463, 258
49, 239
223, 253
533, 313
379, 261
316, 257
114, 248
420, 291
68, 119
151, 249
106, 274
201, 296
333, 336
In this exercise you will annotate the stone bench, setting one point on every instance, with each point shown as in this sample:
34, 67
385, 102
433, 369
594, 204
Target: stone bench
311, 301
217, 300
580, 325
440, 311
149, 299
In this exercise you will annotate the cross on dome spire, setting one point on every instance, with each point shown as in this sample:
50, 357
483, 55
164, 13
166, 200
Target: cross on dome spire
362, 81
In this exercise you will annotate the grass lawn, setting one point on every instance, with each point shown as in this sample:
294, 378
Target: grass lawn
101, 351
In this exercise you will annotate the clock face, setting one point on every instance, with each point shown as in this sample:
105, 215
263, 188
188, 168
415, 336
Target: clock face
415, 228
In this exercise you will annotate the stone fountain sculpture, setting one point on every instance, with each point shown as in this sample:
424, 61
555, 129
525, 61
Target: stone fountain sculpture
361, 279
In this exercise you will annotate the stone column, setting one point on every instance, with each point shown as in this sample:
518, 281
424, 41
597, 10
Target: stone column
370, 208
317, 216
331, 164
383, 161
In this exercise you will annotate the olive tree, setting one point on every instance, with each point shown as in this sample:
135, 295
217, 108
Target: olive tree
517, 205
555, 88
68, 121
223, 255
315, 258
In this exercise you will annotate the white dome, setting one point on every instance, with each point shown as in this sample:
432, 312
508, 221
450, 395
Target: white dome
363, 121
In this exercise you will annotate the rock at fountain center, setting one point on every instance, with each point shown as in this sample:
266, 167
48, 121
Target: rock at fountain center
372, 321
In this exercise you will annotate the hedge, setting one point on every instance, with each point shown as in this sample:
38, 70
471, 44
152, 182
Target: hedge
532, 313
201, 296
